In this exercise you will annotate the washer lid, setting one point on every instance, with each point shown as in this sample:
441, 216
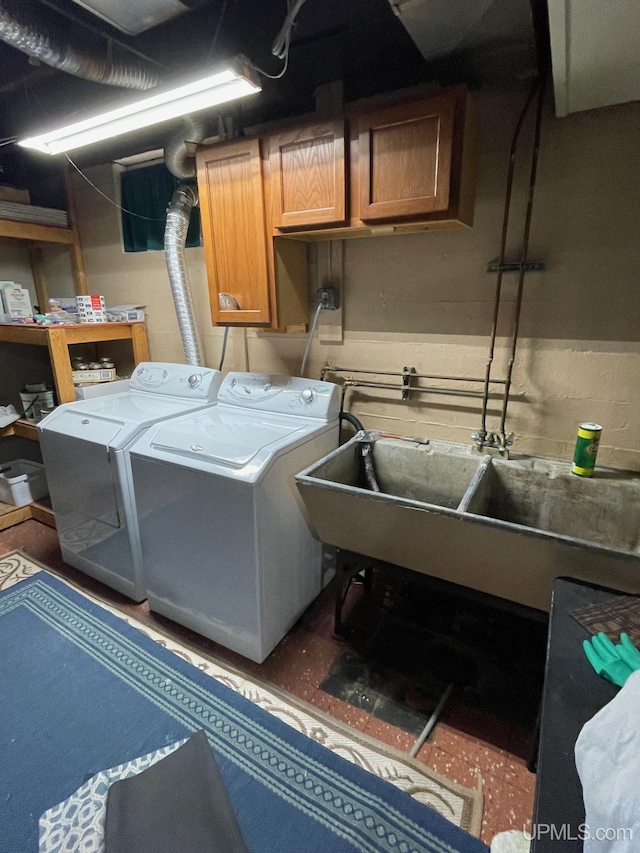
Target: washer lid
115, 419
226, 436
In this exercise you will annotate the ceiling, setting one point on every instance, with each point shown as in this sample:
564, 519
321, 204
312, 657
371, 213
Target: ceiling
361, 42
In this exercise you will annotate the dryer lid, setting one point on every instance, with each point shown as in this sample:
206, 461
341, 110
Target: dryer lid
226, 437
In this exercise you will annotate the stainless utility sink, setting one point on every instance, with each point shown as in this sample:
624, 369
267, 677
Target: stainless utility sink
504, 527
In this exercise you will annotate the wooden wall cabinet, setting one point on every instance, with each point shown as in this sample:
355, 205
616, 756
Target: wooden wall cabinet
267, 277
309, 176
400, 167
404, 160
411, 166
232, 208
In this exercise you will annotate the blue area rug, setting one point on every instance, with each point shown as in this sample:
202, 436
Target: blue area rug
82, 691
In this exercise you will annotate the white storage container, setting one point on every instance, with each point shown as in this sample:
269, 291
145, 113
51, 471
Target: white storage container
22, 482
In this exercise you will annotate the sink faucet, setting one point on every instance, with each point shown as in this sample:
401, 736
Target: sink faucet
495, 443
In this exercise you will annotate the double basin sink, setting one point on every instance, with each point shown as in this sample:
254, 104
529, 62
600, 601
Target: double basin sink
503, 527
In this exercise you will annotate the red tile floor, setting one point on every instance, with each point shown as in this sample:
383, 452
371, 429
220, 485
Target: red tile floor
464, 744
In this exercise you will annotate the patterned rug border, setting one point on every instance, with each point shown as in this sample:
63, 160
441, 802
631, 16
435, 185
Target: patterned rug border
268, 695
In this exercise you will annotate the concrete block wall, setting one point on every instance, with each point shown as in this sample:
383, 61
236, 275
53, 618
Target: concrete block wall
425, 300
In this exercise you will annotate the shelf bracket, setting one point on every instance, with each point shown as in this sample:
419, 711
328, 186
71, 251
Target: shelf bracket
517, 266
406, 381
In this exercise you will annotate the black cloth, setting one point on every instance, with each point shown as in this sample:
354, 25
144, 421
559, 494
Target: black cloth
179, 804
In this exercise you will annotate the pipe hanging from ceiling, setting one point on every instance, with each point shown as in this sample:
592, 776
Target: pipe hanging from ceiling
36, 41
175, 235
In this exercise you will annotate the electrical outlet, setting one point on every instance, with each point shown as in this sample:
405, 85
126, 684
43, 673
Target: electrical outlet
328, 298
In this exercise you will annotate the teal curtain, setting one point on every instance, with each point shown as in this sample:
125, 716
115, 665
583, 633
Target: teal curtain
147, 191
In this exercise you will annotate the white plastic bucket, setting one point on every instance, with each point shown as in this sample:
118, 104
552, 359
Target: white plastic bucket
33, 402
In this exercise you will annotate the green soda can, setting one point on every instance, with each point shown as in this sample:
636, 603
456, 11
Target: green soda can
584, 458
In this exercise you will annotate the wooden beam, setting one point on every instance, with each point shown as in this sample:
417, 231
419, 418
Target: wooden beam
61, 363
75, 250
36, 259
329, 99
139, 342
93, 333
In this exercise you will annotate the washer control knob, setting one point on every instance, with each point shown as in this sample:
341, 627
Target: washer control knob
194, 380
307, 395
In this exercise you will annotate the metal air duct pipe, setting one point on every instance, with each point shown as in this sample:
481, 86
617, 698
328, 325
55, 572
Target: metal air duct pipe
175, 235
177, 158
56, 51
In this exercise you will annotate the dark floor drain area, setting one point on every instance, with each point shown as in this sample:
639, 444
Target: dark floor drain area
410, 640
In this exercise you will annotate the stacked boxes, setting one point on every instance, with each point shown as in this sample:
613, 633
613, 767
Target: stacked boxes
91, 309
126, 313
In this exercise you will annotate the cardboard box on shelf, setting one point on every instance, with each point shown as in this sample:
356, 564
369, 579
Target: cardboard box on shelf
92, 318
126, 313
16, 301
107, 374
90, 302
91, 308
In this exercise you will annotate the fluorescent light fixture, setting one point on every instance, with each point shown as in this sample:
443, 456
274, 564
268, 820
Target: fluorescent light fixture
227, 84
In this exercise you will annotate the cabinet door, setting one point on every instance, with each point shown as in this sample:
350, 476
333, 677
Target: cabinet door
231, 189
404, 158
308, 175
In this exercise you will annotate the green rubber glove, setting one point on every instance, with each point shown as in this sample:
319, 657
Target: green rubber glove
604, 658
628, 653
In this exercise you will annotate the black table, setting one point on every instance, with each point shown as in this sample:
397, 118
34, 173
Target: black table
572, 694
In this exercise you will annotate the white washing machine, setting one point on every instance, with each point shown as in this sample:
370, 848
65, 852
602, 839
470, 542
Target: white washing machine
226, 548
85, 451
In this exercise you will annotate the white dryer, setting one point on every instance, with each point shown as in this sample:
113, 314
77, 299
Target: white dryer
225, 545
85, 451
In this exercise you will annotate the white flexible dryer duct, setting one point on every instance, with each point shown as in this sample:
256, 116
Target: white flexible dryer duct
175, 235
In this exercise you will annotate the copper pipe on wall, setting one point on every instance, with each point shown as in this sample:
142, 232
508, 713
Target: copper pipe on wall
525, 249
365, 383
538, 85
330, 368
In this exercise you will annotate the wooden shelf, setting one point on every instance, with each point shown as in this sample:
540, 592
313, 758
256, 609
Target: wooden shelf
59, 338
35, 232
43, 513
16, 333
11, 515
21, 427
